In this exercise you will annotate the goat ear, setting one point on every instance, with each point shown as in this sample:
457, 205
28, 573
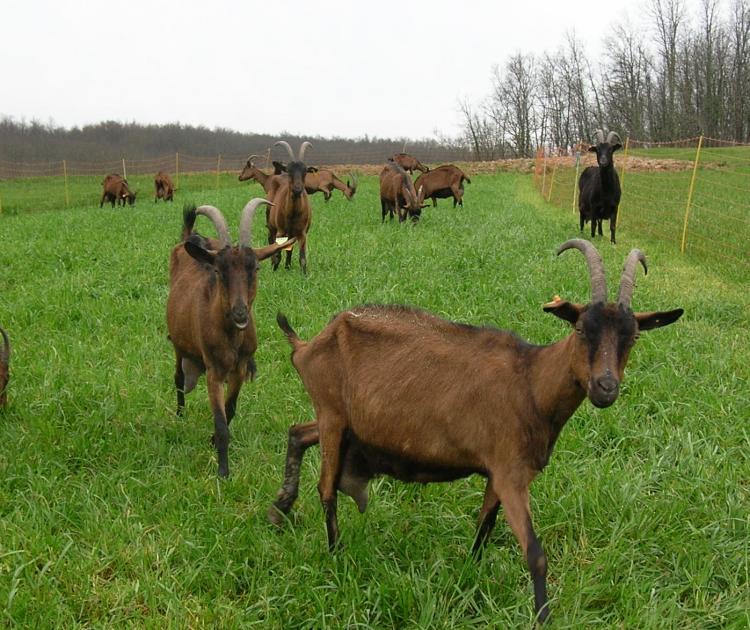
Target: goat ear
657, 319
278, 167
592, 149
564, 310
312, 169
196, 247
617, 146
267, 251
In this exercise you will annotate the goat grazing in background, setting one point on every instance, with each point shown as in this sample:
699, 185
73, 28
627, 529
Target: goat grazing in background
397, 194
443, 182
164, 187
324, 180
115, 190
210, 317
408, 163
290, 215
401, 392
599, 186
4, 368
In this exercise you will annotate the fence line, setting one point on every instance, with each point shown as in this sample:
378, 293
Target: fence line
692, 192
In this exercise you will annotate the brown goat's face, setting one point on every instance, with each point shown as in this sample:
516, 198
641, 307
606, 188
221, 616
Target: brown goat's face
236, 268
603, 338
297, 172
604, 152
247, 172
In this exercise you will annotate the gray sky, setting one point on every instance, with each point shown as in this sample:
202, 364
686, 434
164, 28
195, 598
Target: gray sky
386, 69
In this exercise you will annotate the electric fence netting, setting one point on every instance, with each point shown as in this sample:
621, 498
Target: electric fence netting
694, 193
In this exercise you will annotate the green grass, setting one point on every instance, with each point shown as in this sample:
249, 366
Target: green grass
111, 513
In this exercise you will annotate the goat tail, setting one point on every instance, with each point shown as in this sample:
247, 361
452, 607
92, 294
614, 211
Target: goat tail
188, 219
286, 328
466, 179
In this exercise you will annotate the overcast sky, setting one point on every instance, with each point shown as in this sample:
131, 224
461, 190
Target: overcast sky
386, 69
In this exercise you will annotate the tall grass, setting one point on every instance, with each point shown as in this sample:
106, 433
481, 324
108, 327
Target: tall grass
111, 513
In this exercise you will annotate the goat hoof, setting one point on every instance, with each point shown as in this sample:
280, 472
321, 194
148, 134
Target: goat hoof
223, 472
275, 516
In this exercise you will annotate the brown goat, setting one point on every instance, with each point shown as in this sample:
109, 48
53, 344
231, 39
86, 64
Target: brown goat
409, 163
324, 180
4, 368
264, 179
290, 216
210, 317
164, 187
397, 194
443, 182
401, 392
115, 190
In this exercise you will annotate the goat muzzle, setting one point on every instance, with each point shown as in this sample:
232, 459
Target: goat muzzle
240, 316
603, 390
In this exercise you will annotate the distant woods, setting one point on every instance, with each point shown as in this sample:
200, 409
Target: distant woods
22, 141
673, 75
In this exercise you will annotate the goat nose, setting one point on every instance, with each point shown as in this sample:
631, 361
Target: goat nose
239, 311
607, 383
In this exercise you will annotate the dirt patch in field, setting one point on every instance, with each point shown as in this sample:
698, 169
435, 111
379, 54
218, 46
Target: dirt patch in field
526, 165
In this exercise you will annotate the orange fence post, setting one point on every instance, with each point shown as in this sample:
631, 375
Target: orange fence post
124, 170
65, 177
552, 182
690, 194
544, 170
622, 179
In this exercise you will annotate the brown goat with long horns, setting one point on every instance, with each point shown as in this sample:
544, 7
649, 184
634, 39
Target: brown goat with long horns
4, 368
290, 216
210, 317
401, 392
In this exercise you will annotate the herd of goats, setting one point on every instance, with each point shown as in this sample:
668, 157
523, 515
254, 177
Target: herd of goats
396, 390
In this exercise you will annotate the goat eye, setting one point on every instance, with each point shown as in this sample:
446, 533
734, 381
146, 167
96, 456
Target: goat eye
579, 331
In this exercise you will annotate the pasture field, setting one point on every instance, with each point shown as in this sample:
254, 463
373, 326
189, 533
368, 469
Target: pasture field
111, 514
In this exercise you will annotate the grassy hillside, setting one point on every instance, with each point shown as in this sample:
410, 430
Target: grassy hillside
111, 512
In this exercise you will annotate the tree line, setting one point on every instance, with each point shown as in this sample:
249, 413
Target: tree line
672, 76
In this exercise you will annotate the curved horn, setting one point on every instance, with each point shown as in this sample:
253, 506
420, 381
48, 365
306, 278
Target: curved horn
285, 144
220, 223
613, 135
627, 282
246, 221
5, 352
599, 136
250, 159
596, 267
354, 182
302, 150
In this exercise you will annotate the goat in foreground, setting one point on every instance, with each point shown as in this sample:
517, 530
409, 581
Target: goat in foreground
4, 368
209, 314
401, 392
599, 186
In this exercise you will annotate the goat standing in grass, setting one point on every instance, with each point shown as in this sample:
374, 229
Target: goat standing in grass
290, 216
210, 317
401, 392
599, 186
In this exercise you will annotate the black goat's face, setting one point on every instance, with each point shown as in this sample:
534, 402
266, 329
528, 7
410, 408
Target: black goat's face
297, 171
604, 152
603, 338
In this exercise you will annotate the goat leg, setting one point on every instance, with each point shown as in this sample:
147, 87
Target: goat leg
487, 519
331, 439
235, 384
179, 383
516, 505
301, 437
221, 427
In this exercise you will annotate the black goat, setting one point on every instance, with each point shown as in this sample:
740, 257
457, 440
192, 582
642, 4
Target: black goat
599, 187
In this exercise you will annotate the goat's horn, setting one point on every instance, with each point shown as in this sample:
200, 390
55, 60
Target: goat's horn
246, 221
354, 180
613, 135
599, 136
250, 159
596, 267
302, 150
285, 144
5, 352
220, 223
627, 281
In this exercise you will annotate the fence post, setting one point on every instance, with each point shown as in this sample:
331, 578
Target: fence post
124, 170
218, 167
65, 176
176, 170
551, 182
690, 194
268, 157
544, 168
622, 179
575, 181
